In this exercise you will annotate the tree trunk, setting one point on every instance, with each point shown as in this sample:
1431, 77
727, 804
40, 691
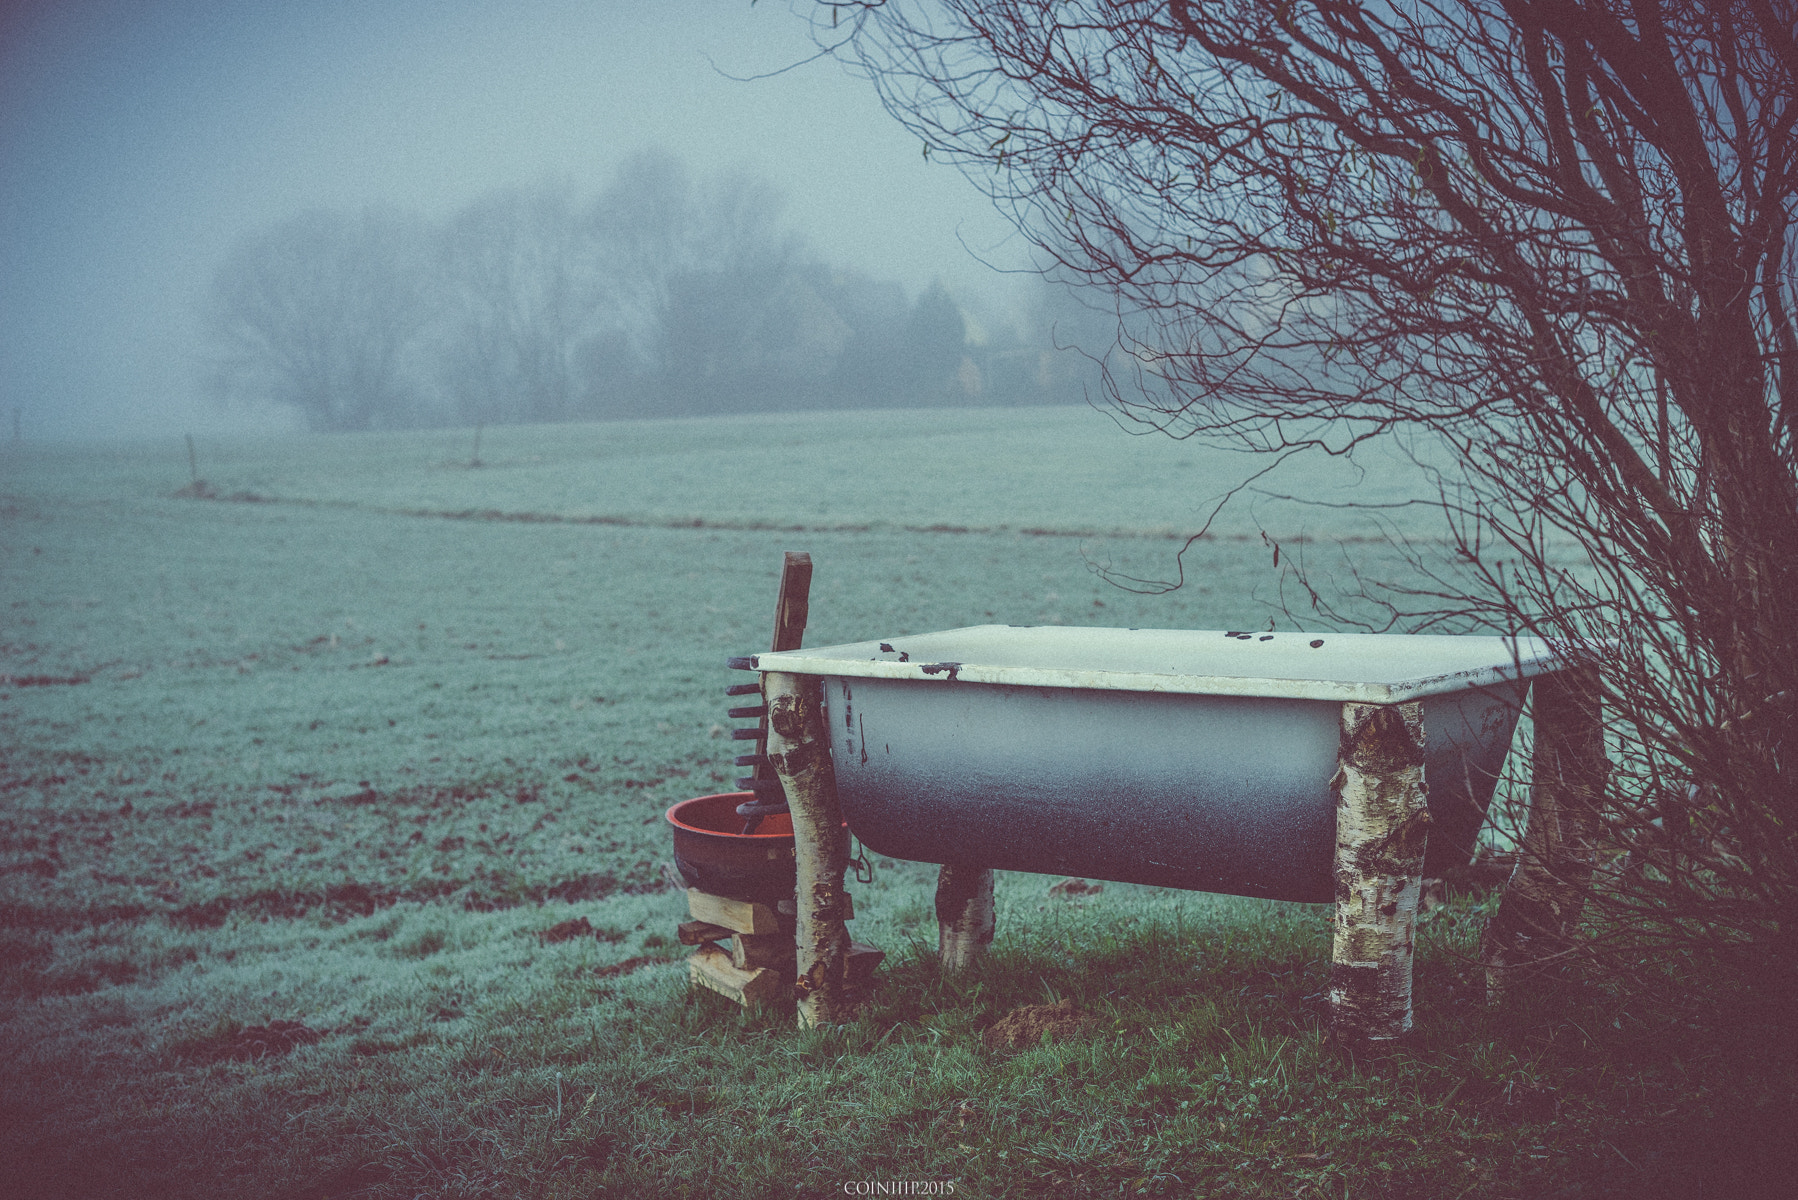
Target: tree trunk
1382, 828
799, 749
1541, 907
964, 915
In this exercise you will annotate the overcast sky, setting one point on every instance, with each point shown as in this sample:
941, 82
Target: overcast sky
138, 138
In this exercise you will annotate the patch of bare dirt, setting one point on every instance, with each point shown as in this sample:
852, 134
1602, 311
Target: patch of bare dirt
228, 1044
1022, 1027
629, 965
277, 1037
1067, 889
25, 681
567, 931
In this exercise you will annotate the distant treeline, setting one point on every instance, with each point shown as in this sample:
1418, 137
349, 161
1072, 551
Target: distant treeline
663, 296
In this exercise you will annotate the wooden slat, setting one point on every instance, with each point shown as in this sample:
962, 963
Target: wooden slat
749, 951
697, 933
710, 967
738, 916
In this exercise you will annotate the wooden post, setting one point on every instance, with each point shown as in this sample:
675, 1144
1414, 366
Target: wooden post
792, 607
1382, 828
799, 750
964, 915
1540, 910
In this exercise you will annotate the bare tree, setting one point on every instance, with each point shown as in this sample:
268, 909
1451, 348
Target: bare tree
688, 267
1551, 238
524, 292
321, 313
733, 303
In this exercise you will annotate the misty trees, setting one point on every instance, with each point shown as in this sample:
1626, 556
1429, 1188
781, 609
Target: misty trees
321, 313
874, 312
719, 287
935, 333
664, 295
1556, 238
519, 281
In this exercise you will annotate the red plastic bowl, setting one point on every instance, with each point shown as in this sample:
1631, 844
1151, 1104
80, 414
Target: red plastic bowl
714, 855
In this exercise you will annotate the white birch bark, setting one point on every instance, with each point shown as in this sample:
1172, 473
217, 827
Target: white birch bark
1382, 826
964, 915
799, 749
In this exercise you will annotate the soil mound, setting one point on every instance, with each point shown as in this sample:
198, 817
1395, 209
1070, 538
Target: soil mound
1026, 1026
260, 1041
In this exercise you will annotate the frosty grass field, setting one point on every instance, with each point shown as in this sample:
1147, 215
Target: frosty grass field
336, 747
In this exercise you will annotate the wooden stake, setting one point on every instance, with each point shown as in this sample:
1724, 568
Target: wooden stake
794, 604
964, 915
799, 750
1382, 825
791, 609
1540, 910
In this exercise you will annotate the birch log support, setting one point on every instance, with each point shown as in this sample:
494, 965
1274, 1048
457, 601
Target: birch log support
799, 750
1382, 828
964, 915
1541, 906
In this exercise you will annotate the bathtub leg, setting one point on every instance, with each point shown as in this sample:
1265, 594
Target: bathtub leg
1382, 824
799, 749
1540, 909
964, 915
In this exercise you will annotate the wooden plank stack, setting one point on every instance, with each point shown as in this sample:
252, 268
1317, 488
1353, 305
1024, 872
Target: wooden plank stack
759, 965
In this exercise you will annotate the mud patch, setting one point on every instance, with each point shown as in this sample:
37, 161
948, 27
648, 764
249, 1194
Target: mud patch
629, 965
567, 931
1026, 1026
277, 1037
584, 887
42, 680
229, 1042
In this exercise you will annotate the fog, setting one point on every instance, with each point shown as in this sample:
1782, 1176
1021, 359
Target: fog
140, 141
